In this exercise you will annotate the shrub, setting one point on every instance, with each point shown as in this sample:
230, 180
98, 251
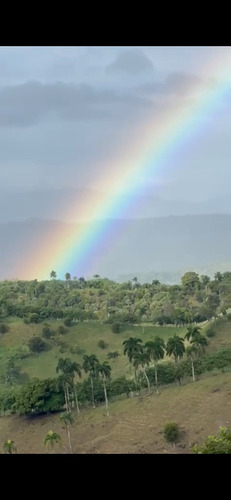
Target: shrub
68, 322
210, 331
36, 344
115, 327
171, 432
102, 344
3, 328
47, 332
228, 316
61, 329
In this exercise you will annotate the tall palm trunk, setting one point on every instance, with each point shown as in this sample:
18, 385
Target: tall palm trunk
69, 438
68, 400
136, 382
156, 378
92, 392
148, 382
193, 371
65, 396
76, 400
105, 395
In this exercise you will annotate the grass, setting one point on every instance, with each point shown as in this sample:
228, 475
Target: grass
84, 335
134, 425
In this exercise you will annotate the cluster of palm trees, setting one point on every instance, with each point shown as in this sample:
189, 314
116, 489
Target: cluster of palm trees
141, 355
68, 370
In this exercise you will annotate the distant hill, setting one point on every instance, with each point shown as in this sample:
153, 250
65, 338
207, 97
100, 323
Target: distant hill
144, 246
52, 204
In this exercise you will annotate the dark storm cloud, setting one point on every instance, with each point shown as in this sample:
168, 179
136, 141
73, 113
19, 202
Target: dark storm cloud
132, 62
29, 103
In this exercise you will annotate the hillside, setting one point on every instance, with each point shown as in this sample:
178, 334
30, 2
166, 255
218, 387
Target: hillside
31, 389
155, 245
134, 425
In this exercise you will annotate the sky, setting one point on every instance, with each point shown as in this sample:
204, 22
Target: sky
68, 114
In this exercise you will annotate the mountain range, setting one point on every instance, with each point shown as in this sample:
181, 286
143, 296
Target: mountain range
147, 248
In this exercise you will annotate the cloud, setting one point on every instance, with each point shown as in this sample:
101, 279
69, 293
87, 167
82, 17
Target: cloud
132, 61
29, 103
177, 83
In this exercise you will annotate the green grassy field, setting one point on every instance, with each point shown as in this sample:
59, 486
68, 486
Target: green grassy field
84, 335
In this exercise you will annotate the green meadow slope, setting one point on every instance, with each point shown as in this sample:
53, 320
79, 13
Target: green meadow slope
134, 424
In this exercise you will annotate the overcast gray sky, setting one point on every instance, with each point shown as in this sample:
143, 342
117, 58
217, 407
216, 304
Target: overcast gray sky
65, 112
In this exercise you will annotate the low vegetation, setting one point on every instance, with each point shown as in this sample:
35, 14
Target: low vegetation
59, 352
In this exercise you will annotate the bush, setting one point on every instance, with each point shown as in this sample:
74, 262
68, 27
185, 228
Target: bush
36, 344
210, 331
47, 332
102, 344
215, 445
3, 328
76, 350
171, 432
61, 329
68, 322
115, 327
228, 316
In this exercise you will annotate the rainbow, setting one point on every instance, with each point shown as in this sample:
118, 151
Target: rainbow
154, 140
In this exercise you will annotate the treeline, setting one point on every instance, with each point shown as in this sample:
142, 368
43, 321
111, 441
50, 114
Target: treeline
197, 299
43, 396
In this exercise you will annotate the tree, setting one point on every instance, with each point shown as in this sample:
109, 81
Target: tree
190, 281
51, 439
200, 342
140, 360
68, 279
215, 445
132, 347
113, 355
192, 332
105, 371
102, 344
171, 432
9, 447
115, 327
53, 275
191, 352
218, 276
68, 420
36, 344
91, 366
68, 369
175, 346
155, 350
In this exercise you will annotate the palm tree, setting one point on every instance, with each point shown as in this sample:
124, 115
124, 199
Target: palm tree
53, 275
65, 379
192, 331
68, 420
76, 368
105, 371
132, 347
175, 346
140, 360
67, 278
200, 342
51, 439
218, 276
191, 352
69, 368
9, 447
91, 366
155, 350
